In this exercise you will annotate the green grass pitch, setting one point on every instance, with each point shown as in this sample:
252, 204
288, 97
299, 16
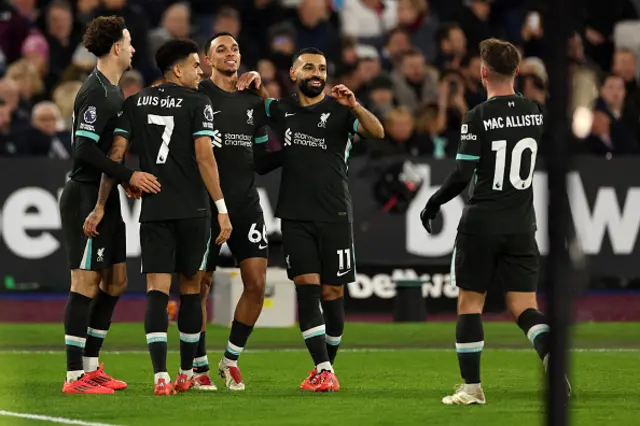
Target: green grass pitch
391, 374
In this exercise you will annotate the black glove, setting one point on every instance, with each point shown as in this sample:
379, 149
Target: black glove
427, 214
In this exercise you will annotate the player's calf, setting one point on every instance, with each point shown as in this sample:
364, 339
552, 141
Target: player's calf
201, 361
333, 313
534, 325
469, 346
189, 324
156, 323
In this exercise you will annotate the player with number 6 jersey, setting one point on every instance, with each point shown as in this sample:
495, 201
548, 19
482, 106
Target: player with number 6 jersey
495, 248
240, 146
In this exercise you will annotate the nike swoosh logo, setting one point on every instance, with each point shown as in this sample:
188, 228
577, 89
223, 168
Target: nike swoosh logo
340, 274
262, 247
286, 114
215, 112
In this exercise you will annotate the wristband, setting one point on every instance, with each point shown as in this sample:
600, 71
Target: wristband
221, 206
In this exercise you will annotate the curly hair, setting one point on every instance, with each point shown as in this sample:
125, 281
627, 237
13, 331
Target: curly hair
102, 33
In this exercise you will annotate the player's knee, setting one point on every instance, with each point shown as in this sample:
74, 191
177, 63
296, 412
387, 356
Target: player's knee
306, 279
518, 302
332, 292
470, 302
205, 283
85, 282
254, 288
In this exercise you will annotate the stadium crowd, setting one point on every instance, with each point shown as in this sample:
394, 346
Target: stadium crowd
414, 63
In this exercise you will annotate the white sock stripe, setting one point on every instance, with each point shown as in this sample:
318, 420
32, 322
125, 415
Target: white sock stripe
234, 349
200, 361
97, 333
156, 337
333, 340
314, 331
70, 338
190, 337
537, 330
470, 347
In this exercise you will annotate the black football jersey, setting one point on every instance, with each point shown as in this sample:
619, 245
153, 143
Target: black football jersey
503, 135
239, 123
95, 112
316, 141
162, 123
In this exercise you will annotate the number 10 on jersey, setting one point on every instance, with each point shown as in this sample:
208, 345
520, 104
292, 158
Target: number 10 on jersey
500, 148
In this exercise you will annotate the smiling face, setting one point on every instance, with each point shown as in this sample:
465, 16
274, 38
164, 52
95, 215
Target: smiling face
224, 55
310, 74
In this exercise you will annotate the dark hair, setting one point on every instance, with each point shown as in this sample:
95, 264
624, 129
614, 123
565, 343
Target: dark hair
443, 31
174, 51
102, 33
500, 56
607, 76
209, 42
307, 51
412, 51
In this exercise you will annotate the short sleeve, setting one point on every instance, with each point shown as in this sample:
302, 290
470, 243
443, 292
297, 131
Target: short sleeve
469, 147
202, 124
261, 135
272, 109
124, 125
352, 123
94, 115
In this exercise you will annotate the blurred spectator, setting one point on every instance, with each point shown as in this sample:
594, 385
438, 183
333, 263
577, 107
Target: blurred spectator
414, 83
63, 34
380, 99
475, 93
131, 83
14, 29
35, 49
26, 8
8, 142
368, 65
86, 10
176, 23
43, 138
30, 85
452, 103
477, 23
82, 64
64, 96
533, 79
625, 65
138, 26
610, 135
600, 19
227, 20
397, 44
415, 18
452, 46
282, 42
532, 32
256, 20
430, 123
399, 134
313, 28
368, 20
10, 95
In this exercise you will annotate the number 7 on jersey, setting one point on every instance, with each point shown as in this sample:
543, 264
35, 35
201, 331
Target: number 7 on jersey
168, 123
